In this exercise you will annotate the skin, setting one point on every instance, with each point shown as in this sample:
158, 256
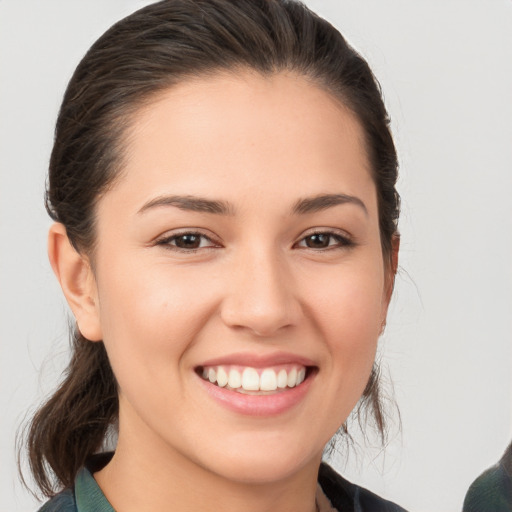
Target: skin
254, 286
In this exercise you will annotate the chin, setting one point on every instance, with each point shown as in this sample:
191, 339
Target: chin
264, 463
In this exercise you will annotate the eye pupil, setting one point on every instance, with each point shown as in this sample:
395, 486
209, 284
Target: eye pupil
318, 240
188, 241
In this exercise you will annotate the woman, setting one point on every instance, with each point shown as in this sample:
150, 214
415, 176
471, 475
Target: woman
223, 189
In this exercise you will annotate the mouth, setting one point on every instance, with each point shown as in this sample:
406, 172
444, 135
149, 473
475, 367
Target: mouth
256, 381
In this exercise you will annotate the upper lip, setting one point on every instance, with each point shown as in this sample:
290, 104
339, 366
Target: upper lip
259, 360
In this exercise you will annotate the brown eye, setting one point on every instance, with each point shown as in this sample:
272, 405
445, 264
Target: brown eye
318, 241
187, 241
326, 240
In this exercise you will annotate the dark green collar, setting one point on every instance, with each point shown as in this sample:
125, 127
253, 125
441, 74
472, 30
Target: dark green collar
89, 497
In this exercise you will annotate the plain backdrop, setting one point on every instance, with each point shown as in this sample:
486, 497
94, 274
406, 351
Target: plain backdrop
445, 67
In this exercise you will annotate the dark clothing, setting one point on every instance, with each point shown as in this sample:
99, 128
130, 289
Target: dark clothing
492, 490
348, 497
86, 496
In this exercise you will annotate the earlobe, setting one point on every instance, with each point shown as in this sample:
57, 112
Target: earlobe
77, 281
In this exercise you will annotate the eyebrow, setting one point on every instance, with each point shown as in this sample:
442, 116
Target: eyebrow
190, 203
203, 205
324, 201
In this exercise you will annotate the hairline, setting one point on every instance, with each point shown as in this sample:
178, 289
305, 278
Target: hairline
123, 124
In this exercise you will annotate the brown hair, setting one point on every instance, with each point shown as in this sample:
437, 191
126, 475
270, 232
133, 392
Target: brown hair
151, 50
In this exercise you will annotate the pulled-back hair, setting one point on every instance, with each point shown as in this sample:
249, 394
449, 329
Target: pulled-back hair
149, 51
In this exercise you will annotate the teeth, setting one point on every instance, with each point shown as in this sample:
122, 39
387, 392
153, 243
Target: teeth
222, 377
282, 379
235, 379
250, 379
268, 380
292, 378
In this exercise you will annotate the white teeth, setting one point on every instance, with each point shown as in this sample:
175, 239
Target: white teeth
268, 380
282, 379
235, 379
222, 377
292, 378
250, 380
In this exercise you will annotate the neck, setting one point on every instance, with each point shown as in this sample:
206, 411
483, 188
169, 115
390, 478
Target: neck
146, 476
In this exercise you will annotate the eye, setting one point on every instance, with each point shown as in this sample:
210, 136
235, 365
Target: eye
325, 240
188, 241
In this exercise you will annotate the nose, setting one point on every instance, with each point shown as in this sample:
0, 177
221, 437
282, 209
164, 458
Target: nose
260, 295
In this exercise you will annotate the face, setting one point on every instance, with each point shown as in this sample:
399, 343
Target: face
239, 280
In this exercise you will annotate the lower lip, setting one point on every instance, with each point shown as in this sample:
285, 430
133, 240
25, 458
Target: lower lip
258, 405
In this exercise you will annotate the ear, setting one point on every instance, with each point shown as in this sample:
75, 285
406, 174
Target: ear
395, 249
391, 267
77, 281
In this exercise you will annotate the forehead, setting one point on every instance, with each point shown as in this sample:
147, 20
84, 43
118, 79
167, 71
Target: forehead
245, 133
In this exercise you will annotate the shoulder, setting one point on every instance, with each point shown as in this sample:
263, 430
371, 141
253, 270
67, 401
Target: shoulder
490, 492
345, 495
85, 494
62, 502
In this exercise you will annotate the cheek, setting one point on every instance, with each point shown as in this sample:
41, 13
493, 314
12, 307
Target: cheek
148, 297
349, 302
349, 311
148, 319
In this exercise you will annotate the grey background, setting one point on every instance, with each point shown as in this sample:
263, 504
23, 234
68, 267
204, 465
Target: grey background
446, 70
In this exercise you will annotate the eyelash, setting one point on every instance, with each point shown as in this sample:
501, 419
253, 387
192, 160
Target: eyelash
168, 242
342, 241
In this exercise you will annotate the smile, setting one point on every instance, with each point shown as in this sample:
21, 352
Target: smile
251, 380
